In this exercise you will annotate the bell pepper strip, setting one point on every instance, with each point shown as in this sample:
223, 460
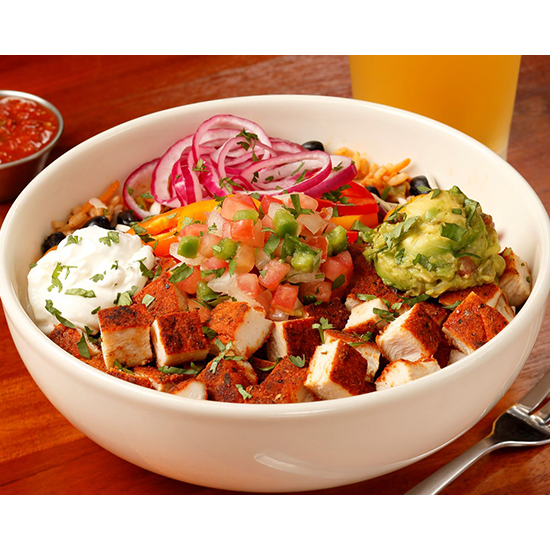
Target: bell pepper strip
353, 200
370, 220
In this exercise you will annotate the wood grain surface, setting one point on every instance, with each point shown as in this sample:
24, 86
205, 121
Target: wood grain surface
41, 453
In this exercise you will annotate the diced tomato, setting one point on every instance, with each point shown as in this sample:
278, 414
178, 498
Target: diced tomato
245, 258
273, 273
249, 233
319, 242
194, 229
207, 242
341, 264
352, 236
266, 201
234, 203
285, 298
320, 290
248, 282
214, 263
265, 299
267, 222
242, 230
204, 312
346, 259
189, 285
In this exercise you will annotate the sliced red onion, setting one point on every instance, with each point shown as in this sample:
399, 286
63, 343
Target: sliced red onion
160, 185
198, 166
224, 122
138, 182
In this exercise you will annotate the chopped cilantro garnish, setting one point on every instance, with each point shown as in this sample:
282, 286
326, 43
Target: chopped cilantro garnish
242, 391
180, 273
321, 326
298, 361
83, 347
57, 314
80, 292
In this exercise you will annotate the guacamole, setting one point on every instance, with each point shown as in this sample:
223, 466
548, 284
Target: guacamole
437, 242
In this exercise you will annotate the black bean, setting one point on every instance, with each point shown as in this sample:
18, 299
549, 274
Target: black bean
100, 221
313, 146
52, 240
127, 218
419, 185
373, 190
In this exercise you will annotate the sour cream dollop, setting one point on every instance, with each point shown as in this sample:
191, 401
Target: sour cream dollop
92, 269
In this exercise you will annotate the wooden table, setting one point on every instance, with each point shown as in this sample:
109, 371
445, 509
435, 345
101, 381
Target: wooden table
41, 453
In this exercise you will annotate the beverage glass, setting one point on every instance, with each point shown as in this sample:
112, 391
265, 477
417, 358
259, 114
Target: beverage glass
472, 93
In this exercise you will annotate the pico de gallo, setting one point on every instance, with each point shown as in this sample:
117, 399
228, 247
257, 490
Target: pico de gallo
280, 252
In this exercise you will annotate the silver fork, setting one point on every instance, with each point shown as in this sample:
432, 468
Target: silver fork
518, 426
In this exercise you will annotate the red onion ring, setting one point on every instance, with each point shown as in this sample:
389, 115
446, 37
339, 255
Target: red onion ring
213, 159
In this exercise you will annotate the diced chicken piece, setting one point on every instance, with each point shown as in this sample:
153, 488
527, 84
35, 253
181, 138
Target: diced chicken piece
162, 297
165, 263
179, 338
400, 372
411, 336
437, 312
285, 384
240, 323
367, 317
227, 380
515, 282
472, 324
336, 370
262, 367
334, 312
443, 352
369, 283
192, 389
294, 337
70, 339
159, 380
368, 350
126, 335
490, 293
122, 373
455, 356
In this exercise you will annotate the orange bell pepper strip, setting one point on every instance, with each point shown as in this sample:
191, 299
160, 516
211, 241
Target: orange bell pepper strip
370, 220
162, 230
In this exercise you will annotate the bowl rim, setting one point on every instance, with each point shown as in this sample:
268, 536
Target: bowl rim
52, 143
252, 412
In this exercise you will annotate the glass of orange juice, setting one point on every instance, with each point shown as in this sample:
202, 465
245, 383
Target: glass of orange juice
472, 93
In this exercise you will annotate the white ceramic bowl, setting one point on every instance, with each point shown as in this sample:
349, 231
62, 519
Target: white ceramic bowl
275, 448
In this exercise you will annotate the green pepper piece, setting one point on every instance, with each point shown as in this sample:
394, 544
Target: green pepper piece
246, 215
205, 293
337, 240
189, 246
284, 223
305, 260
225, 249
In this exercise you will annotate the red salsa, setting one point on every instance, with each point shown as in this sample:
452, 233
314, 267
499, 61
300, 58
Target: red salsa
25, 128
